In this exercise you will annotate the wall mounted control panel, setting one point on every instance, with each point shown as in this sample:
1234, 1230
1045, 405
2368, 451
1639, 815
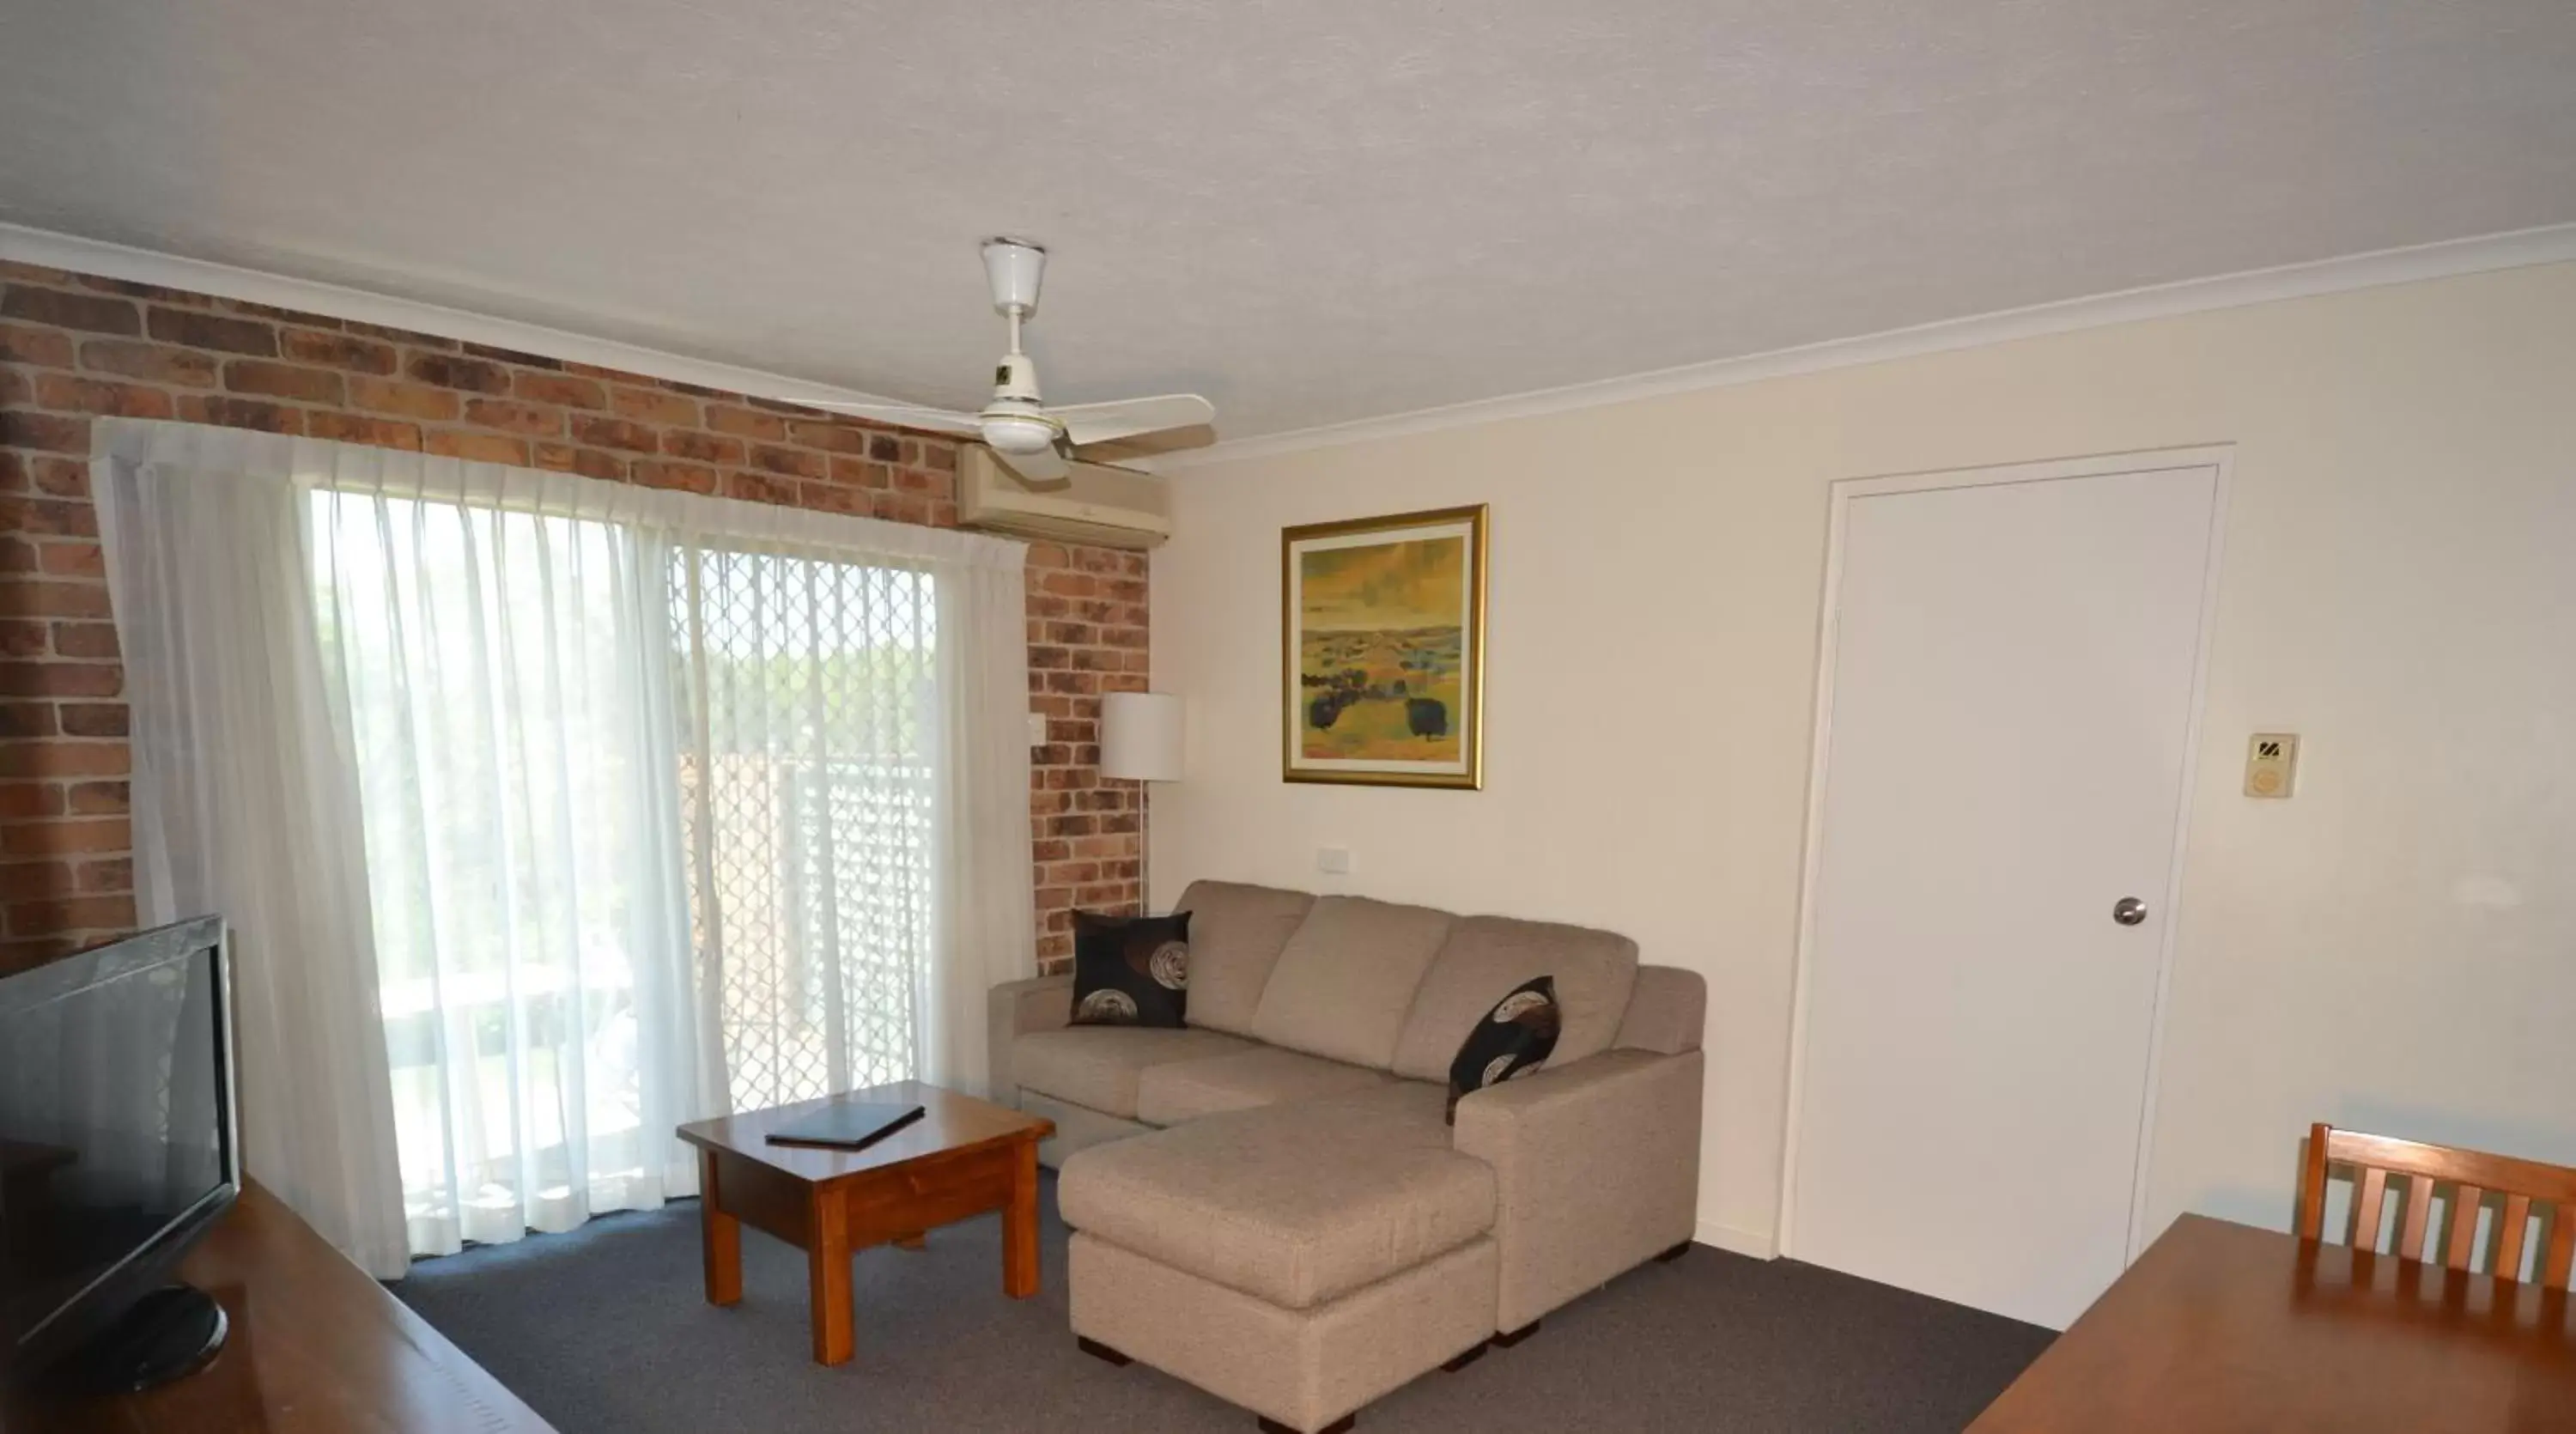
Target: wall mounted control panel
2271, 764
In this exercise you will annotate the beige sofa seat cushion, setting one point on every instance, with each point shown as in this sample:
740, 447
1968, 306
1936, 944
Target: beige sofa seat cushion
1295, 1204
1236, 935
1098, 1066
1242, 1080
1485, 957
1077, 1127
1347, 977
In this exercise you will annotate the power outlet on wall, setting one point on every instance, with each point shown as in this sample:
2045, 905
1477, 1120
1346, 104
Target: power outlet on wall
1333, 860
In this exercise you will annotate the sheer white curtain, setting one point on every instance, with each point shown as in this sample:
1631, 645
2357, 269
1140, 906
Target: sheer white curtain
243, 807
668, 804
503, 673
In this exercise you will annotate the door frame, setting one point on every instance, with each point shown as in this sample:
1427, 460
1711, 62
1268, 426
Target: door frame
2220, 457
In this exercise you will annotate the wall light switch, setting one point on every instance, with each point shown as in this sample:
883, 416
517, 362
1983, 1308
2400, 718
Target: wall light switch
2271, 764
1333, 860
1037, 729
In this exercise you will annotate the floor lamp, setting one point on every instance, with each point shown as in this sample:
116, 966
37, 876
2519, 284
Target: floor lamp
1140, 741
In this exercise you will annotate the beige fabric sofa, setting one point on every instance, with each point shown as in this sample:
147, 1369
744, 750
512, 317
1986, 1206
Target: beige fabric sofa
1267, 1203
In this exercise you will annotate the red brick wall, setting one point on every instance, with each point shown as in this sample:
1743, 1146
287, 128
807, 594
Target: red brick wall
74, 346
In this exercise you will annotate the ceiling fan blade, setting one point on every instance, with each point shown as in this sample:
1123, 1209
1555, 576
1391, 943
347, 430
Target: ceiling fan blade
931, 420
1086, 423
1042, 469
1117, 452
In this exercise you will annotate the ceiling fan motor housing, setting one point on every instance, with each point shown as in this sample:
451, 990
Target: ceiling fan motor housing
1015, 376
1016, 421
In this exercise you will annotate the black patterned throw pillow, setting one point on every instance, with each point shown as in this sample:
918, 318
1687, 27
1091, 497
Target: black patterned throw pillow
1130, 970
1510, 1040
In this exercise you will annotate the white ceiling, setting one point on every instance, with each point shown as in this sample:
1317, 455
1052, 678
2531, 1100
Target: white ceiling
1313, 211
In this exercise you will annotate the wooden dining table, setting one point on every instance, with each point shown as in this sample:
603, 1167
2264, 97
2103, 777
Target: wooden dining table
2223, 1327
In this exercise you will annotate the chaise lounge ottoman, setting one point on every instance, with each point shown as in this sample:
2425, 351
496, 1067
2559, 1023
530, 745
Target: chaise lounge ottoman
1298, 1260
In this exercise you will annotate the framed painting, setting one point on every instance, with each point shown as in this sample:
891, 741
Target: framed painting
1383, 647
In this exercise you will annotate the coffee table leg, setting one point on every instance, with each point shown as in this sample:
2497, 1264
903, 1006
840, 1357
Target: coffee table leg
1020, 1225
827, 1279
719, 1237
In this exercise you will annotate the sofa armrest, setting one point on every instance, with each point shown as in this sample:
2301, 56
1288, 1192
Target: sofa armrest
1596, 1170
1665, 1013
1014, 1009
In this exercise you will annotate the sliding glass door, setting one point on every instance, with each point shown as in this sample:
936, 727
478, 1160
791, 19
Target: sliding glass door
650, 830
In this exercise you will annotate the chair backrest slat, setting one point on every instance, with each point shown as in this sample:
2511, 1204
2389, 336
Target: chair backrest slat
2419, 1214
2528, 1187
2515, 1219
2368, 1198
2464, 1226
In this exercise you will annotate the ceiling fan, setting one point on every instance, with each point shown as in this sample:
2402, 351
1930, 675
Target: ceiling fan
1035, 441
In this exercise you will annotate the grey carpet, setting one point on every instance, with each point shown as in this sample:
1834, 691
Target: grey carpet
605, 1331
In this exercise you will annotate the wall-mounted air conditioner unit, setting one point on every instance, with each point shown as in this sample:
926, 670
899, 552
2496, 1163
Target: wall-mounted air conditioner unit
1113, 507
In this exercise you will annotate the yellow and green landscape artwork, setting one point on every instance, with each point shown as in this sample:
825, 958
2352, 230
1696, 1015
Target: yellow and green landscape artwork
1383, 636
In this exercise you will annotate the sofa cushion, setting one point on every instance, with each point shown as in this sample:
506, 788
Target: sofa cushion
1265, 1075
1514, 1038
1236, 934
1296, 1204
1130, 970
1076, 1126
1486, 956
1346, 980
1097, 1066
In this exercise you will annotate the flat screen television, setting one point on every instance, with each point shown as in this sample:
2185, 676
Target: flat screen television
118, 1147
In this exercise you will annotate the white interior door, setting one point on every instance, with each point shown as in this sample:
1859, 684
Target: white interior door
2009, 704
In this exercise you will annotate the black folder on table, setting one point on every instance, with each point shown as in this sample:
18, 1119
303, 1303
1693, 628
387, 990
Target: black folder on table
853, 1126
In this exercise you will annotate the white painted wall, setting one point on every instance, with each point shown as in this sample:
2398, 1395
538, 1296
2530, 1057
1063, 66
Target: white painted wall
2393, 949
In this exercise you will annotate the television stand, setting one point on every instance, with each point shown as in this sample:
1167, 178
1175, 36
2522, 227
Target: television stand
313, 1344
171, 1332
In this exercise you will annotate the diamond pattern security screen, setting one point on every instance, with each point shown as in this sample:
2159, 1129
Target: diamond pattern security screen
806, 799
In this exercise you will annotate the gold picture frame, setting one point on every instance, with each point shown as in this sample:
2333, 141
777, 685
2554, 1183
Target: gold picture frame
1382, 650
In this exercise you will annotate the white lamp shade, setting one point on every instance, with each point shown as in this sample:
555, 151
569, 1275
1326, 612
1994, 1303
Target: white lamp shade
1140, 736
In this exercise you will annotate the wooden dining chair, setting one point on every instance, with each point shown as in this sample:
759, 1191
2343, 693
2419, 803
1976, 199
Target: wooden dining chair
2526, 1186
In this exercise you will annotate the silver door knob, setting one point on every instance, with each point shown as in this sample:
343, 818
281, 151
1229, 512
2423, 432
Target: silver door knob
2128, 911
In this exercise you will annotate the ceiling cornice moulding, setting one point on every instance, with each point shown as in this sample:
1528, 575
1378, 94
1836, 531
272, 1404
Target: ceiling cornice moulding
2518, 249
49, 250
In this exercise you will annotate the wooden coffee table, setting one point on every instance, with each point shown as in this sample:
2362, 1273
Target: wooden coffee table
963, 1157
